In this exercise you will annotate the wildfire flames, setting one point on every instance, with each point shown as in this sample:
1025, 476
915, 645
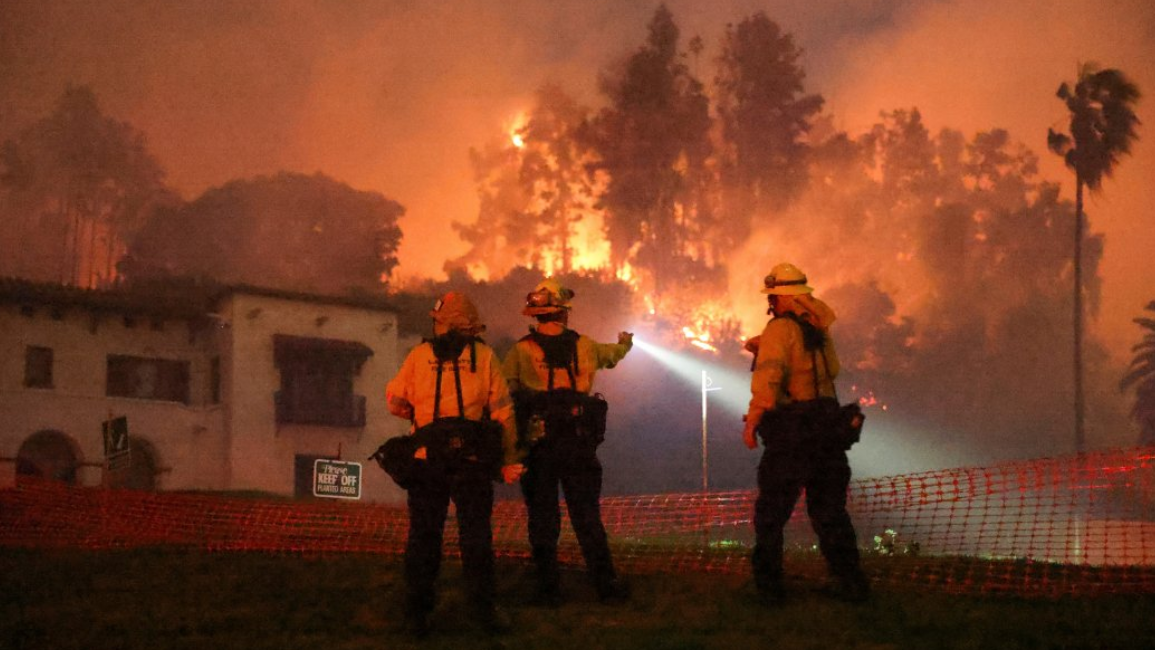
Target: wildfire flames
867, 399
687, 316
699, 339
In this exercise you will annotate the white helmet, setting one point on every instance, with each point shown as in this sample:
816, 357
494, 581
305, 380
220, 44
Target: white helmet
548, 297
786, 280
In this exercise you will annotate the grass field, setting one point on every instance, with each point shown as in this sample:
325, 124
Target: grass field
169, 598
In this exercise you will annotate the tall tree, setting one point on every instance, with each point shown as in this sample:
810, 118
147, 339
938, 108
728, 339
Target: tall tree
533, 191
1103, 126
1141, 376
501, 237
649, 140
290, 231
765, 117
972, 248
553, 172
78, 184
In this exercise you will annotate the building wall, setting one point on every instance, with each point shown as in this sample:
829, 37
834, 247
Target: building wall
235, 444
261, 452
184, 436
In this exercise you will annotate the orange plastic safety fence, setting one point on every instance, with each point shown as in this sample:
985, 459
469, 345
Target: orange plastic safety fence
1074, 525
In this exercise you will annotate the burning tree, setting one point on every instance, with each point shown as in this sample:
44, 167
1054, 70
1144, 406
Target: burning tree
950, 255
535, 196
652, 146
78, 184
942, 253
764, 119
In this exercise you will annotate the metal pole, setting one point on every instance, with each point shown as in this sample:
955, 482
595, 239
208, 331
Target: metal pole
707, 386
705, 449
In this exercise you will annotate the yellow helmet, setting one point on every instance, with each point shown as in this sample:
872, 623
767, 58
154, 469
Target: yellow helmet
786, 280
455, 311
548, 297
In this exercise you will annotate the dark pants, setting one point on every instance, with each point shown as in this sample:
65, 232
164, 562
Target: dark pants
801, 455
577, 470
428, 507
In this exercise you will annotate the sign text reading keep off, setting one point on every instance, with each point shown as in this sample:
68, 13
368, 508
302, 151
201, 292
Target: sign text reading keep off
336, 479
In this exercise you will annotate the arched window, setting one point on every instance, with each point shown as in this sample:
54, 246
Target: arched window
47, 455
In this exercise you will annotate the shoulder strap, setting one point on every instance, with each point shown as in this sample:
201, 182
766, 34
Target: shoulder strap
460, 397
437, 391
826, 366
560, 352
814, 341
812, 337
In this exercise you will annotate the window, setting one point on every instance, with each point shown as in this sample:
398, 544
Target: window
144, 378
37, 367
317, 381
303, 476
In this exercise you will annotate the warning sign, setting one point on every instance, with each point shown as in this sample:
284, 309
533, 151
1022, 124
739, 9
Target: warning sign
336, 479
116, 449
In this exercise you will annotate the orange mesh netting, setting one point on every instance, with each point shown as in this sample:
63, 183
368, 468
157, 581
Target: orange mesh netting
1075, 525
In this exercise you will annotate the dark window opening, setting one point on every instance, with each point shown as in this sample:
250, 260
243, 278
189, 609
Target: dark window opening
317, 381
303, 476
144, 378
38, 367
142, 470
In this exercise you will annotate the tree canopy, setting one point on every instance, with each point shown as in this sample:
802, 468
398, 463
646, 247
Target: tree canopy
292, 231
1141, 377
76, 184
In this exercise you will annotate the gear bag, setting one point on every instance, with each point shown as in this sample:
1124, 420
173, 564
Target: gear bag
395, 456
457, 445
569, 415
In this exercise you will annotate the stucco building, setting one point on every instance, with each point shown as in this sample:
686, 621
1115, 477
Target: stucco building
232, 388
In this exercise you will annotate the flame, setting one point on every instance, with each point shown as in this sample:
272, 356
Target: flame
699, 339
703, 345
516, 129
868, 399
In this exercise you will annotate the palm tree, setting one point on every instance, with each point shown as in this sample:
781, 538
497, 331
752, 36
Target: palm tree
1141, 375
1103, 126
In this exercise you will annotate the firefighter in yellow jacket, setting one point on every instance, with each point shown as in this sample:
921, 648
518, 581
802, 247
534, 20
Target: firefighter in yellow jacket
551, 374
791, 408
446, 387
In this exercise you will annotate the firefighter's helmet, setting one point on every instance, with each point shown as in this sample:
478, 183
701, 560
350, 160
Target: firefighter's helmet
455, 311
786, 280
548, 297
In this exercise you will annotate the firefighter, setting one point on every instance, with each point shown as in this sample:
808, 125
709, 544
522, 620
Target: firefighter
448, 387
792, 398
551, 374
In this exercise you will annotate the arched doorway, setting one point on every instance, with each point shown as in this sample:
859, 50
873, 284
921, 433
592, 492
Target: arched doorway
47, 455
141, 472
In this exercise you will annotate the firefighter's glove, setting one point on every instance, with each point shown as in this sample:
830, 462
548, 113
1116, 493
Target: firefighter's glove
400, 407
626, 339
750, 431
511, 473
751, 344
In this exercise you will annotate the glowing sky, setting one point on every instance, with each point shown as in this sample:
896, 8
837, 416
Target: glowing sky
389, 95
